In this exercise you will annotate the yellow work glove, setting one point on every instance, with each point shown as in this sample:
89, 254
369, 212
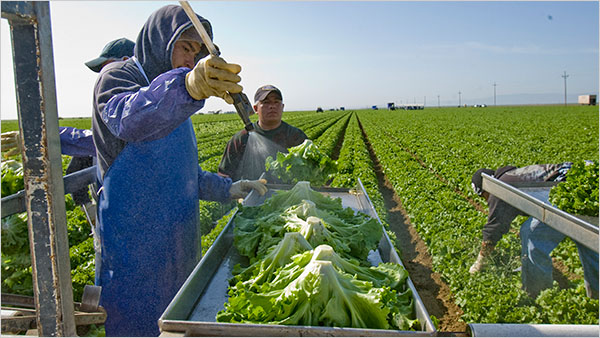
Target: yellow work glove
212, 76
241, 188
11, 143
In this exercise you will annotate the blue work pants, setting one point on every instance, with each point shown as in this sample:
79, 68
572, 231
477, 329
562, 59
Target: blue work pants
537, 241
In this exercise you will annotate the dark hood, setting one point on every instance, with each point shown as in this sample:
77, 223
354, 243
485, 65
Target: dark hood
154, 45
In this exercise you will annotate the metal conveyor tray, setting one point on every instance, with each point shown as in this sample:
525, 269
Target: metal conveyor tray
193, 310
529, 197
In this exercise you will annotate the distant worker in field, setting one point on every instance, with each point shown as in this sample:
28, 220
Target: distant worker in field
245, 154
537, 238
147, 157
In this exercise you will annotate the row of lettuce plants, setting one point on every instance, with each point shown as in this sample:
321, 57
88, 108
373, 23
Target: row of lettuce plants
451, 226
474, 138
354, 163
327, 141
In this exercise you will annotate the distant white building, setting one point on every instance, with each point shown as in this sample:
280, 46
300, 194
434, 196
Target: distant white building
411, 106
587, 99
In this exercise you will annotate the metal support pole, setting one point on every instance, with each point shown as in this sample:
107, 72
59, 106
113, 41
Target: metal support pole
31, 37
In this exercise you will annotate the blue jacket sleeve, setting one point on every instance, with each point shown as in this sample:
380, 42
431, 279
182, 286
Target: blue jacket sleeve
76, 142
213, 187
152, 112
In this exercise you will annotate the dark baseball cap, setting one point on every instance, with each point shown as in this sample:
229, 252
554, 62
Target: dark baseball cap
262, 92
115, 49
477, 180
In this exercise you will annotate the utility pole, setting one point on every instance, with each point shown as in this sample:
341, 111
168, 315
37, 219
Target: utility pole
565, 76
495, 93
459, 98
438, 101
424, 101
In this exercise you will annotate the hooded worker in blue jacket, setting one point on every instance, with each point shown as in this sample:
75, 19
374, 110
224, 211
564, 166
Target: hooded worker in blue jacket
148, 168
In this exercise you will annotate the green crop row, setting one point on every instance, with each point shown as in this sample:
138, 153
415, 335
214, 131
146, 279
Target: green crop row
354, 163
317, 129
16, 259
485, 138
327, 141
430, 155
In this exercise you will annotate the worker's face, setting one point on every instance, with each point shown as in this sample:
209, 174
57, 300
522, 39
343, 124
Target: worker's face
184, 53
269, 111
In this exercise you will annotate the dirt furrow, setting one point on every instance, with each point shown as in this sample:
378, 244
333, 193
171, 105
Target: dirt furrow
434, 292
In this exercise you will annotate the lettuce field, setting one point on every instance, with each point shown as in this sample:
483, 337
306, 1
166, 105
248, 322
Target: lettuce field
417, 167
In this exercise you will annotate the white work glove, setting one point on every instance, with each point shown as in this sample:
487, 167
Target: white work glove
242, 188
11, 143
212, 76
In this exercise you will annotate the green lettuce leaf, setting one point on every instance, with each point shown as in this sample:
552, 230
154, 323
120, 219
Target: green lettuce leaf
304, 162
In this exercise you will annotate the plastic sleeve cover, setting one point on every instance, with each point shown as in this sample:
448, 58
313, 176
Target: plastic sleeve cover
152, 112
76, 142
212, 186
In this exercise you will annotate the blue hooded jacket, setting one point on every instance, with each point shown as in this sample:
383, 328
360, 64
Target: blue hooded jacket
150, 177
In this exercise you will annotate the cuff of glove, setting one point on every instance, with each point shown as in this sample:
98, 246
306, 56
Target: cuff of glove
194, 90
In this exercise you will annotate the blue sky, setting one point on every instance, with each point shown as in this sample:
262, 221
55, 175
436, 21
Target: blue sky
353, 54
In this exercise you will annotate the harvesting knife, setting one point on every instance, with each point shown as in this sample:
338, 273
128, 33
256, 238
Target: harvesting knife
240, 100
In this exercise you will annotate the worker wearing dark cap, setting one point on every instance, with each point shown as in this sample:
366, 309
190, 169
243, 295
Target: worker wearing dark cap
119, 49
74, 141
537, 238
245, 157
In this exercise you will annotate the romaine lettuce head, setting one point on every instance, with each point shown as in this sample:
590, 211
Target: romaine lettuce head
320, 295
333, 285
385, 274
259, 228
253, 228
315, 232
388, 280
578, 194
284, 199
304, 162
263, 271
350, 233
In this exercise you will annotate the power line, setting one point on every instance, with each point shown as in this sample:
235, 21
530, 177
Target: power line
565, 76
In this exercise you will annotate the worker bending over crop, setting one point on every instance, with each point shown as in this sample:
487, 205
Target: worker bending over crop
245, 155
148, 168
537, 238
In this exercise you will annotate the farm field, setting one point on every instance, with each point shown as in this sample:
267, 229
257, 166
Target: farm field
417, 167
